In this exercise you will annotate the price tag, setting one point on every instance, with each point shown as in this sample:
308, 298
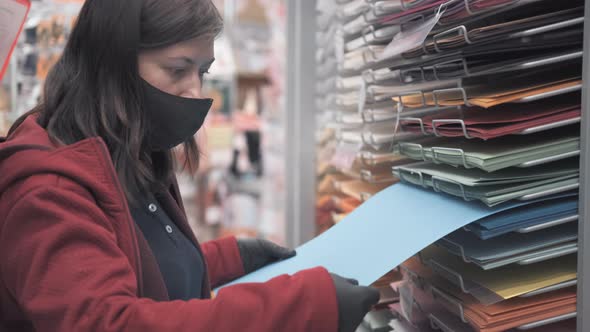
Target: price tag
411, 38
362, 96
406, 299
345, 155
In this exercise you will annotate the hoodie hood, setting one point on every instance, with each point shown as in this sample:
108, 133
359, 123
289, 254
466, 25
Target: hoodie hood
29, 151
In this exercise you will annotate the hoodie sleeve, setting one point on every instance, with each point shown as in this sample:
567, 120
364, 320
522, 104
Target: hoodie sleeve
223, 259
61, 261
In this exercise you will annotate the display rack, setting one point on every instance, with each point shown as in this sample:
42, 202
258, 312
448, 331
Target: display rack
302, 121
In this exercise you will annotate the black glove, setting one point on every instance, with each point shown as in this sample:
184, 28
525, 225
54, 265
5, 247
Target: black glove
354, 302
257, 253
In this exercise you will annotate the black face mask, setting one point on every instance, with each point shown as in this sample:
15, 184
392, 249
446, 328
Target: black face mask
171, 119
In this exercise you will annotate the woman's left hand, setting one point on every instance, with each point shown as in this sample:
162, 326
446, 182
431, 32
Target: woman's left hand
257, 253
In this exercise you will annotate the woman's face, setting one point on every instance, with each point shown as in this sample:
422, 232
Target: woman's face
178, 69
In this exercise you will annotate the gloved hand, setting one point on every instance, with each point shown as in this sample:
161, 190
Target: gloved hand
257, 253
354, 302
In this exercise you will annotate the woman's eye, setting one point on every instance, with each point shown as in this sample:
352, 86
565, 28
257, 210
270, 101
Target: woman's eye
177, 72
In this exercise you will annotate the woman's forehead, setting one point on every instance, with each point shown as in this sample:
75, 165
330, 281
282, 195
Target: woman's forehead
196, 49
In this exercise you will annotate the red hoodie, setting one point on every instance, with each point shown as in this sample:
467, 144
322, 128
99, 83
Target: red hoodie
71, 258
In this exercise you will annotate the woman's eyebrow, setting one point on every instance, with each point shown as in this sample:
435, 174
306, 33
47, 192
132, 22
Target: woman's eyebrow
190, 61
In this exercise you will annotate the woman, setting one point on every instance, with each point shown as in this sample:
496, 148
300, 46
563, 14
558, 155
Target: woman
93, 236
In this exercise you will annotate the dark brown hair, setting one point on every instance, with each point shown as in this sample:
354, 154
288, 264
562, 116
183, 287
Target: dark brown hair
94, 89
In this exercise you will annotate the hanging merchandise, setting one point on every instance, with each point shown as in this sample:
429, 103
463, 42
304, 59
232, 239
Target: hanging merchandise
44, 35
12, 18
251, 35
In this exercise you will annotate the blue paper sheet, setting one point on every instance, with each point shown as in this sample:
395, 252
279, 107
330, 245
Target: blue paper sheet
380, 234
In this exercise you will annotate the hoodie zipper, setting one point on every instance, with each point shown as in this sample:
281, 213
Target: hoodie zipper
115, 179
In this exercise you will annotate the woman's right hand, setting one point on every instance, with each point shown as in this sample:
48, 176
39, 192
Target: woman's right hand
354, 302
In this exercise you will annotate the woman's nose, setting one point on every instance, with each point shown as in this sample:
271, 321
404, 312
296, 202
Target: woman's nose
193, 87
